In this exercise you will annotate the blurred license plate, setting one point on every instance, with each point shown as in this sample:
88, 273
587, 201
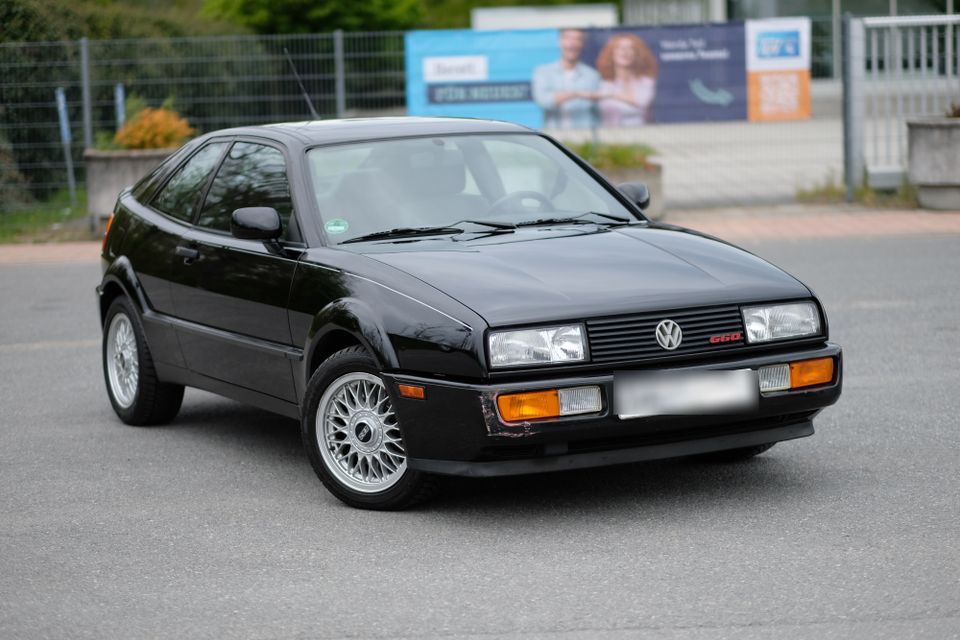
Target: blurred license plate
642, 394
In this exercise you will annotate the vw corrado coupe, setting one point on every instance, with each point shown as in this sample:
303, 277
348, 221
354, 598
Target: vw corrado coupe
438, 297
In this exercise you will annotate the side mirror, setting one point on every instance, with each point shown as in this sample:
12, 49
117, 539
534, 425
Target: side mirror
256, 223
637, 192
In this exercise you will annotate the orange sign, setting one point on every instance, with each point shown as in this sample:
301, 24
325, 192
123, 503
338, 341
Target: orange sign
778, 95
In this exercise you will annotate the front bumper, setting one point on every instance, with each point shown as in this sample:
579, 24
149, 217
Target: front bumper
456, 429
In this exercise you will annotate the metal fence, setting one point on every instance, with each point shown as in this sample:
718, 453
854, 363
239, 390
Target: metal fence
897, 68
214, 82
907, 66
217, 82
32, 164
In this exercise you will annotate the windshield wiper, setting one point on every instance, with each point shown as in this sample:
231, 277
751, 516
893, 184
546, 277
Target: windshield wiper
577, 220
488, 223
404, 232
608, 216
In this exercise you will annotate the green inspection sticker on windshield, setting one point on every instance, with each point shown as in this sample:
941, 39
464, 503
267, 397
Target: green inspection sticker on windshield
337, 226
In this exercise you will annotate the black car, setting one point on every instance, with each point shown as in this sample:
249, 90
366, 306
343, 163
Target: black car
447, 297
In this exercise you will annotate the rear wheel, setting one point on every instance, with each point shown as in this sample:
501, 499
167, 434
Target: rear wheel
734, 455
136, 394
353, 437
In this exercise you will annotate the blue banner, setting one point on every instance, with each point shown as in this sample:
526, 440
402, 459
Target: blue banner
476, 74
580, 78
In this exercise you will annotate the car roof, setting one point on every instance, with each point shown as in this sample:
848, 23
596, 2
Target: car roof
355, 129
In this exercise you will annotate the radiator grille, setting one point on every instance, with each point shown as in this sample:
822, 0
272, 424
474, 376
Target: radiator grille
633, 337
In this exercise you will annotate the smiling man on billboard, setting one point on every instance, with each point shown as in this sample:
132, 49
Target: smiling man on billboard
567, 89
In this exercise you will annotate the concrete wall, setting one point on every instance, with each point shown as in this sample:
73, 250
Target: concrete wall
934, 152
110, 172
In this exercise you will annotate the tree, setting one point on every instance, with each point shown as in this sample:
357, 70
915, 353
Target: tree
31, 159
317, 16
455, 14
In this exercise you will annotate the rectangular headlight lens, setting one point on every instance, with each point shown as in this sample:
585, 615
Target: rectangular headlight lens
775, 322
537, 346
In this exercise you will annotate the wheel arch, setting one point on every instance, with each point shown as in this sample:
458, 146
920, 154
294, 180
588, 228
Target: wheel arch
120, 280
344, 323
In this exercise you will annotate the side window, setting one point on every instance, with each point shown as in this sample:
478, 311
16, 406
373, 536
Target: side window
252, 175
180, 196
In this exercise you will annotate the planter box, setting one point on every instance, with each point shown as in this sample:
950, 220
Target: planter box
652, 176
934, 162
110, 172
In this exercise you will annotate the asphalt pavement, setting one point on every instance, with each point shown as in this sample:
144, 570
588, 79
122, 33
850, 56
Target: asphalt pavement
215, 526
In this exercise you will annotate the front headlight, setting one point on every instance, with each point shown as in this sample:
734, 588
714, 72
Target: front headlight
537, 346
775, 322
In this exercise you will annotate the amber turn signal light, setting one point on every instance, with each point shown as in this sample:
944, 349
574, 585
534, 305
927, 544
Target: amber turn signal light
106, 232
807, 373
535, 405
412, 391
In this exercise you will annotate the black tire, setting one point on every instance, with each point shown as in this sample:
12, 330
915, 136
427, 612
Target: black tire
154, 402
734, 455
411, 488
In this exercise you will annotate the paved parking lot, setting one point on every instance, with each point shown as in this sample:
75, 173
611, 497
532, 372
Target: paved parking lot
215, 526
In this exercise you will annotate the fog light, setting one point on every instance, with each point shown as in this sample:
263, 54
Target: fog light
774, 378
577, 400
808, 373
553, 403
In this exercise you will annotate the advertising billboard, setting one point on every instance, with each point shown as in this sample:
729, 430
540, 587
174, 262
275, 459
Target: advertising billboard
778, 68
480, 74
608, 77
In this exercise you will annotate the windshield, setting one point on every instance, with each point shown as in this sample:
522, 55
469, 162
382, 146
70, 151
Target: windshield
409, 184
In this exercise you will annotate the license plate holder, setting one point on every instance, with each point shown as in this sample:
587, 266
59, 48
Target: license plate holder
643, 394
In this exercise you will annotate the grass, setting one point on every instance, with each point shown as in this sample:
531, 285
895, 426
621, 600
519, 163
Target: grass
833, 191
50, 221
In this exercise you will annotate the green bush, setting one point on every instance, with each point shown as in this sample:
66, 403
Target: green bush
614, 156
317, 16
13, 186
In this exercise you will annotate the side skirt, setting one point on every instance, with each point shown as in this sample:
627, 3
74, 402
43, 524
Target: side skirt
179, 375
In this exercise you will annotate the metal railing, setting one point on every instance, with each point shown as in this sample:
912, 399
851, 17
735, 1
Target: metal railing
896, 68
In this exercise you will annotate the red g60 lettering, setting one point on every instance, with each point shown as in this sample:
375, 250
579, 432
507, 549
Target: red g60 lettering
726, 337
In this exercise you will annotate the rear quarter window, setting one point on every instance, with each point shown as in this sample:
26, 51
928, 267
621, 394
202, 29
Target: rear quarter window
144, 188
180, 197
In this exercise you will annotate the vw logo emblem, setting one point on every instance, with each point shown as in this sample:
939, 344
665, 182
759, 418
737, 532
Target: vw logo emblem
669, 334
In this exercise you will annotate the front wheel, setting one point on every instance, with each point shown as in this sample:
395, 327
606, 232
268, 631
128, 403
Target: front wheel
353, 438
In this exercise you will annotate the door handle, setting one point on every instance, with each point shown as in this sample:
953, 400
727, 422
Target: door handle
187, 253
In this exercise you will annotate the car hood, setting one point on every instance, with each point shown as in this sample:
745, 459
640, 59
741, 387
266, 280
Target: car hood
548, 274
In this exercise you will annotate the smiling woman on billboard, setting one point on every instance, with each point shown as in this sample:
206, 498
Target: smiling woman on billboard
629, 72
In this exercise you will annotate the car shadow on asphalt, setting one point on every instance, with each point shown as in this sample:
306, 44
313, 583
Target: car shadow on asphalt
783, 473
653, 486
236, 426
